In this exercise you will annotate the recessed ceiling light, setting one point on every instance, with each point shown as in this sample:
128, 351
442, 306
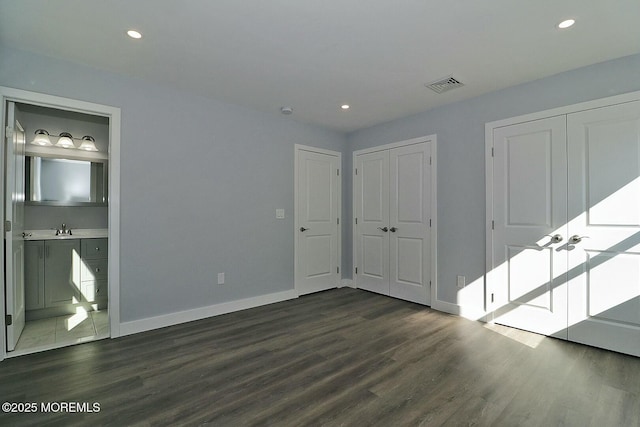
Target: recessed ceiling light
345, 106
567, 23
134, 34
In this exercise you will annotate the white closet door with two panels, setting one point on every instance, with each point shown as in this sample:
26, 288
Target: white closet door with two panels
530, 208
604, 211
392, 203
409, 213
371, 191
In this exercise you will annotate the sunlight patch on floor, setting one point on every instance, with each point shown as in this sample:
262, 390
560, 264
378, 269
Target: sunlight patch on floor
527, 338
76, 319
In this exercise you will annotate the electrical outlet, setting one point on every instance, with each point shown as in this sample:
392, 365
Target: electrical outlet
220, 278
461, 280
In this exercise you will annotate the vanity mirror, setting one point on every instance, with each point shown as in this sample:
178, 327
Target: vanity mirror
65, 182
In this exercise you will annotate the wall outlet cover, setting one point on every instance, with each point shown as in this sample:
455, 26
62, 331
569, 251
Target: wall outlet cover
280, 213
220, 278
461, 282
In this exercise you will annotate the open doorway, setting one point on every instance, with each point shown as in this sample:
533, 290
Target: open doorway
60, 214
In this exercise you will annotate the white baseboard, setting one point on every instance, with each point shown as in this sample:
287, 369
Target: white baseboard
458, 310
346, 283
150, 323
446, 307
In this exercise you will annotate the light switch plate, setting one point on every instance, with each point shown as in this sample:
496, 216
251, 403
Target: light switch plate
461, 282
279, 213
220, 278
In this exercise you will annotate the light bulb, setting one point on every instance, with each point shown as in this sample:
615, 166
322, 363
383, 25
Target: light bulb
88, 144
42, 138
65, 140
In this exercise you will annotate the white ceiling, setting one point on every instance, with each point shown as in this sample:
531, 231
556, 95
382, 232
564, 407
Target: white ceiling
314, 56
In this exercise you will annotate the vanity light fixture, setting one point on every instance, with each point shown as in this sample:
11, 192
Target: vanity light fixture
88, 144
345, 106
65, 140
42, 138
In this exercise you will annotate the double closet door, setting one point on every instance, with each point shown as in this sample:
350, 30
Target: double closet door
566, 232
392, 193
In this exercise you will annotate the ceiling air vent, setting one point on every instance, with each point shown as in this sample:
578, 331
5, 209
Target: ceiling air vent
445, 84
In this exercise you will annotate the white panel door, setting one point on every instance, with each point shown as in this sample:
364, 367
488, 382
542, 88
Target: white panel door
371, 190
409, 232
317, 213
604, 207
14, 239
530, 207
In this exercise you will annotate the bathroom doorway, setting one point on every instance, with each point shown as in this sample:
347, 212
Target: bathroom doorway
60, 214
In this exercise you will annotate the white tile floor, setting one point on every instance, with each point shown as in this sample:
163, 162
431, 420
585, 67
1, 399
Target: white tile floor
64, 330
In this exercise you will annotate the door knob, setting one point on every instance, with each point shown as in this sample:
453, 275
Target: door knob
556, 238
385, 229
577, 239
393, 229
303, 229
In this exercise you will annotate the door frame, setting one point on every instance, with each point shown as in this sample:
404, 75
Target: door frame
489, 279
113, 114
296, 166
433, 279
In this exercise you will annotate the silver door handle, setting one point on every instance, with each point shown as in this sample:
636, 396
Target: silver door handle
577, 239
393, 229
385, 229
556, 238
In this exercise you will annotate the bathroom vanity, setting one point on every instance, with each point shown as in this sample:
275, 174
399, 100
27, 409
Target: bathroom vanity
63, 272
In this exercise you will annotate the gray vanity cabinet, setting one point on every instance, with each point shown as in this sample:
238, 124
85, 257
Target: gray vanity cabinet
62, 272
34, 274
66, 271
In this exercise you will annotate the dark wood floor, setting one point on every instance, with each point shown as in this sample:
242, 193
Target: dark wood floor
342, 357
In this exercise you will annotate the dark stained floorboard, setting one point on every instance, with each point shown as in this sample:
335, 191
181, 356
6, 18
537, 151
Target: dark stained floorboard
337, 358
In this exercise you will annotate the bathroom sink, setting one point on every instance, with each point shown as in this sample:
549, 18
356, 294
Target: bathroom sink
80, 233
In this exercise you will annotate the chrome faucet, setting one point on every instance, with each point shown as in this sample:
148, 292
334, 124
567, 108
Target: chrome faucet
64, 230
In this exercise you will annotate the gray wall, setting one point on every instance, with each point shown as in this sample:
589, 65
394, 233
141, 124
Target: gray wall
47, 217
201, 181
461, 179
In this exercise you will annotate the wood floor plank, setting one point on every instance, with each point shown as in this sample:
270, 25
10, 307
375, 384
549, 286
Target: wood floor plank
338, 358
